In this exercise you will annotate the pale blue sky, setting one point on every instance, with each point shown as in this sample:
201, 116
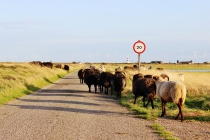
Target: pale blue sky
104, 31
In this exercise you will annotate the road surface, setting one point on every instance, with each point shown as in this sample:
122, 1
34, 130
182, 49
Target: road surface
65, 110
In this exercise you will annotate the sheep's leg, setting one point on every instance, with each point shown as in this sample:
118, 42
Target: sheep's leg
101, 88
180, 112
147, 103
182, 116
150, 100
134, 102
89, 86
106, 90
163, 107
95, 88
144, 102
177, 117
119, 94
152, 104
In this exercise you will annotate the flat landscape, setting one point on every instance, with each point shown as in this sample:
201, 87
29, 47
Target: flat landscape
61, 107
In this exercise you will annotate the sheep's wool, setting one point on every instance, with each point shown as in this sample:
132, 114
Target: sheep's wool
171, 91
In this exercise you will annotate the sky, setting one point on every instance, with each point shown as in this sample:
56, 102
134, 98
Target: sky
104, 31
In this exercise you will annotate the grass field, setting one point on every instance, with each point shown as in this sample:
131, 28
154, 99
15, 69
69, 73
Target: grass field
19, 79
197, 104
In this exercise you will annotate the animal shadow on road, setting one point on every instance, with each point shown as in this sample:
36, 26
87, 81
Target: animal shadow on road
56, 104
57, 101
66, 109
59, 92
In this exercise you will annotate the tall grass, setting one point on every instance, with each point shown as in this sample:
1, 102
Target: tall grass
18, 79
197, 104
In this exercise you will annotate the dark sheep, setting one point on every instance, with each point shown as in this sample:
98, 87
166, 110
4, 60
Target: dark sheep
137, 76
91, 77
160, 69
148, 76
105, 81
81, 74
144, 87
48, 64
36, 63
66, 67
135, 66
118, 83
61, 66
128, 67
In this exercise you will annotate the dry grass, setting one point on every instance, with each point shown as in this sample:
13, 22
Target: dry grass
18, 79
197, 103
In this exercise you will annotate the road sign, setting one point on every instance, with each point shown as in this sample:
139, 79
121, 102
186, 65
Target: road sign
139, 47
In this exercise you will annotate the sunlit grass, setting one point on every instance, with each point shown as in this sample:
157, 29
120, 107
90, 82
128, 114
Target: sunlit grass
18, 79
162, 132
197, 104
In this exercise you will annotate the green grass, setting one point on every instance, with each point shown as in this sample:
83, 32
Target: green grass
197, 104
138, 109
19, 79
160, 130
194, 109
180, 66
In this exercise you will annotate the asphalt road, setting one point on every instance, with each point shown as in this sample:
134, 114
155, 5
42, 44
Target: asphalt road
66, 110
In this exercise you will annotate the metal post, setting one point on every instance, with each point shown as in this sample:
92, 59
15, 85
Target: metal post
139, 61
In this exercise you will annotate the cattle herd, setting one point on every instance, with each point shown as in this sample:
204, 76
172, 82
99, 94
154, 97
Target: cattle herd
146, 86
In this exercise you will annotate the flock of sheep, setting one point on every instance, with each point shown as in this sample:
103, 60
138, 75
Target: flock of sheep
146, 86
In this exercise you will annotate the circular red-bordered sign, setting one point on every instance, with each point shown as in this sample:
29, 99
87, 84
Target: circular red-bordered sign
139, 47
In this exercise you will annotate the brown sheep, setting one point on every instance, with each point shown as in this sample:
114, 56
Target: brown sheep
118, 82
144, 87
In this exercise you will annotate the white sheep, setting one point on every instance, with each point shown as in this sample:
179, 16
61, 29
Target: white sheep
102, 68
181, 77
171, 91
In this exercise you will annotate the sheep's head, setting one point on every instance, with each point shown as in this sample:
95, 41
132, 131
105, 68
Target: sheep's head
156, 78
136, 76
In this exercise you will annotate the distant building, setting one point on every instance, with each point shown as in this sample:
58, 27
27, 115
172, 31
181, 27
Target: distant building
127, 60
184, 62
156, 62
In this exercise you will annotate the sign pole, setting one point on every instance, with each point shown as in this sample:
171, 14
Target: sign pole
139, 61
139, 47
